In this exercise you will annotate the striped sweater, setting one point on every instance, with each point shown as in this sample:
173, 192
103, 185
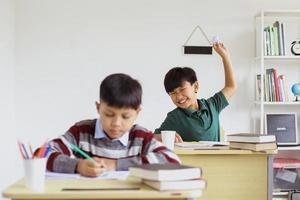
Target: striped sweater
142, 148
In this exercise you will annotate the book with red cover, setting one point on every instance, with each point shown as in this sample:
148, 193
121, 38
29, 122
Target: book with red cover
286, 163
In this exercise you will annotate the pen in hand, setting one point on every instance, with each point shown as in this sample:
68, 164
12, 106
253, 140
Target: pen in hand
76, 148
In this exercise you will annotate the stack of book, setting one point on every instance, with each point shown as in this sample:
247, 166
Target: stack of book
254, 142
169, 176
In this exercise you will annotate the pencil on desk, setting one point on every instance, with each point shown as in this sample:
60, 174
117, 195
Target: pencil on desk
101, 189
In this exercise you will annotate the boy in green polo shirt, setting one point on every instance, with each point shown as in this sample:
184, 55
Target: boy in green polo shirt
196, 119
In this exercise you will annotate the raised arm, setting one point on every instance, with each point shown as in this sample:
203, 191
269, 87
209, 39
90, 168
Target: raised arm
230, 82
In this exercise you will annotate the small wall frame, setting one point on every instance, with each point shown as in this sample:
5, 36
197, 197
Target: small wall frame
191, 49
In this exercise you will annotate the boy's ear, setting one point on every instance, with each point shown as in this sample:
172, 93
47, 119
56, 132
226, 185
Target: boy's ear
97, 105
138, 110
196, 86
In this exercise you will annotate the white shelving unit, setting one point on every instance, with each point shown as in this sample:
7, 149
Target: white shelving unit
265, 17
288, 64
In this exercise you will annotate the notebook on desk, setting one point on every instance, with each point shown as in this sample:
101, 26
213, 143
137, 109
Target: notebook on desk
203, 145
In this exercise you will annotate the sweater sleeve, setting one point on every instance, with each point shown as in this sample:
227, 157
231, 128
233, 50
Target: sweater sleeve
152, 151
62, 159
219, 101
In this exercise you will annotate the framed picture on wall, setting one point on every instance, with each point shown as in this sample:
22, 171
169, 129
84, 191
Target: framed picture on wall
283, 126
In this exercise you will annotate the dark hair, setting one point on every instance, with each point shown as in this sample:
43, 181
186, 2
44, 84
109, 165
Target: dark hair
120, 90
177, 75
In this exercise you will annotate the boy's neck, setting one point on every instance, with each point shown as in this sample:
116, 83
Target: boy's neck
195, 106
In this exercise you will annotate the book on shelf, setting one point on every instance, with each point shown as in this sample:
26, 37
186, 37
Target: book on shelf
283, 90
177, 185
274, 86
250, 138
274, 39
165, 172
253, 146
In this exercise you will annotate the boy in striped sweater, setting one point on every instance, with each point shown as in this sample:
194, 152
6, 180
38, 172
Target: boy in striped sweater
113, 140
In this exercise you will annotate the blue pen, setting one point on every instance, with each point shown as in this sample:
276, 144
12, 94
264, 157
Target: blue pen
47, 151
26, 154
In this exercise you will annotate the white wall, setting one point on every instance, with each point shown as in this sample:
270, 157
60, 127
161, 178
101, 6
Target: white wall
64, 48
8, 171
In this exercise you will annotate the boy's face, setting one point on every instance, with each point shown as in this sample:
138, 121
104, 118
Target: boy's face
116, 121
185, 95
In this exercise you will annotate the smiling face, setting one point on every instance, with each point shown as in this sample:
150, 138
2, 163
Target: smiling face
116, 121
185, 96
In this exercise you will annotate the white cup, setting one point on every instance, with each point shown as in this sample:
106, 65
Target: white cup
168, 138
35, 170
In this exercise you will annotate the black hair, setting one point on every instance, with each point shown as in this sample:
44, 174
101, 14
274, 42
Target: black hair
122, 91
177, 75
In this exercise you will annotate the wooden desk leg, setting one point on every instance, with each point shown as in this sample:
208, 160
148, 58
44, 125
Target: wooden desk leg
270, 177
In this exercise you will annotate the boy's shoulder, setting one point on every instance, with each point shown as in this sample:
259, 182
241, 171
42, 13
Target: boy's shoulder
139, 131
86, 122
138, 128
87, 126
174, 111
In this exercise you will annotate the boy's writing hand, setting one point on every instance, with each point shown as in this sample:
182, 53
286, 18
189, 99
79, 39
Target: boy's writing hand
108, 164
86, 167
221, 49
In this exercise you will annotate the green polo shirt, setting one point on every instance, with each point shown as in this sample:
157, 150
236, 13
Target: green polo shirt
196, 125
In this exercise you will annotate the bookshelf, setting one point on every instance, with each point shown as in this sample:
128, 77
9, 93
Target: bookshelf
289, 103
286, 64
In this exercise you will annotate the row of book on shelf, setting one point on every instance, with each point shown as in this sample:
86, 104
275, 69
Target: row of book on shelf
274, 39
274, 86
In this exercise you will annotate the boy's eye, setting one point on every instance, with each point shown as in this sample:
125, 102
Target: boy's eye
126, 117
108, 115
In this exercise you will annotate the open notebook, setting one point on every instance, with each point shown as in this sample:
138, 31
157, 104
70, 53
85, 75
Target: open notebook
119, 175
203, 145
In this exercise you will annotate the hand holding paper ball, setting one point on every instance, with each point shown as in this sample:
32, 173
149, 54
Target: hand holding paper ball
296, 90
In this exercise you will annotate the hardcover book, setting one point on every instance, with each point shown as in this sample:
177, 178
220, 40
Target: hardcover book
251, 138
177, 185
165, 172
253, 146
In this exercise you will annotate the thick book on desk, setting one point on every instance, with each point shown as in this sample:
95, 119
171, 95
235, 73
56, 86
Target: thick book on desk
251, 138
177, 185
165, 172
253, 146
